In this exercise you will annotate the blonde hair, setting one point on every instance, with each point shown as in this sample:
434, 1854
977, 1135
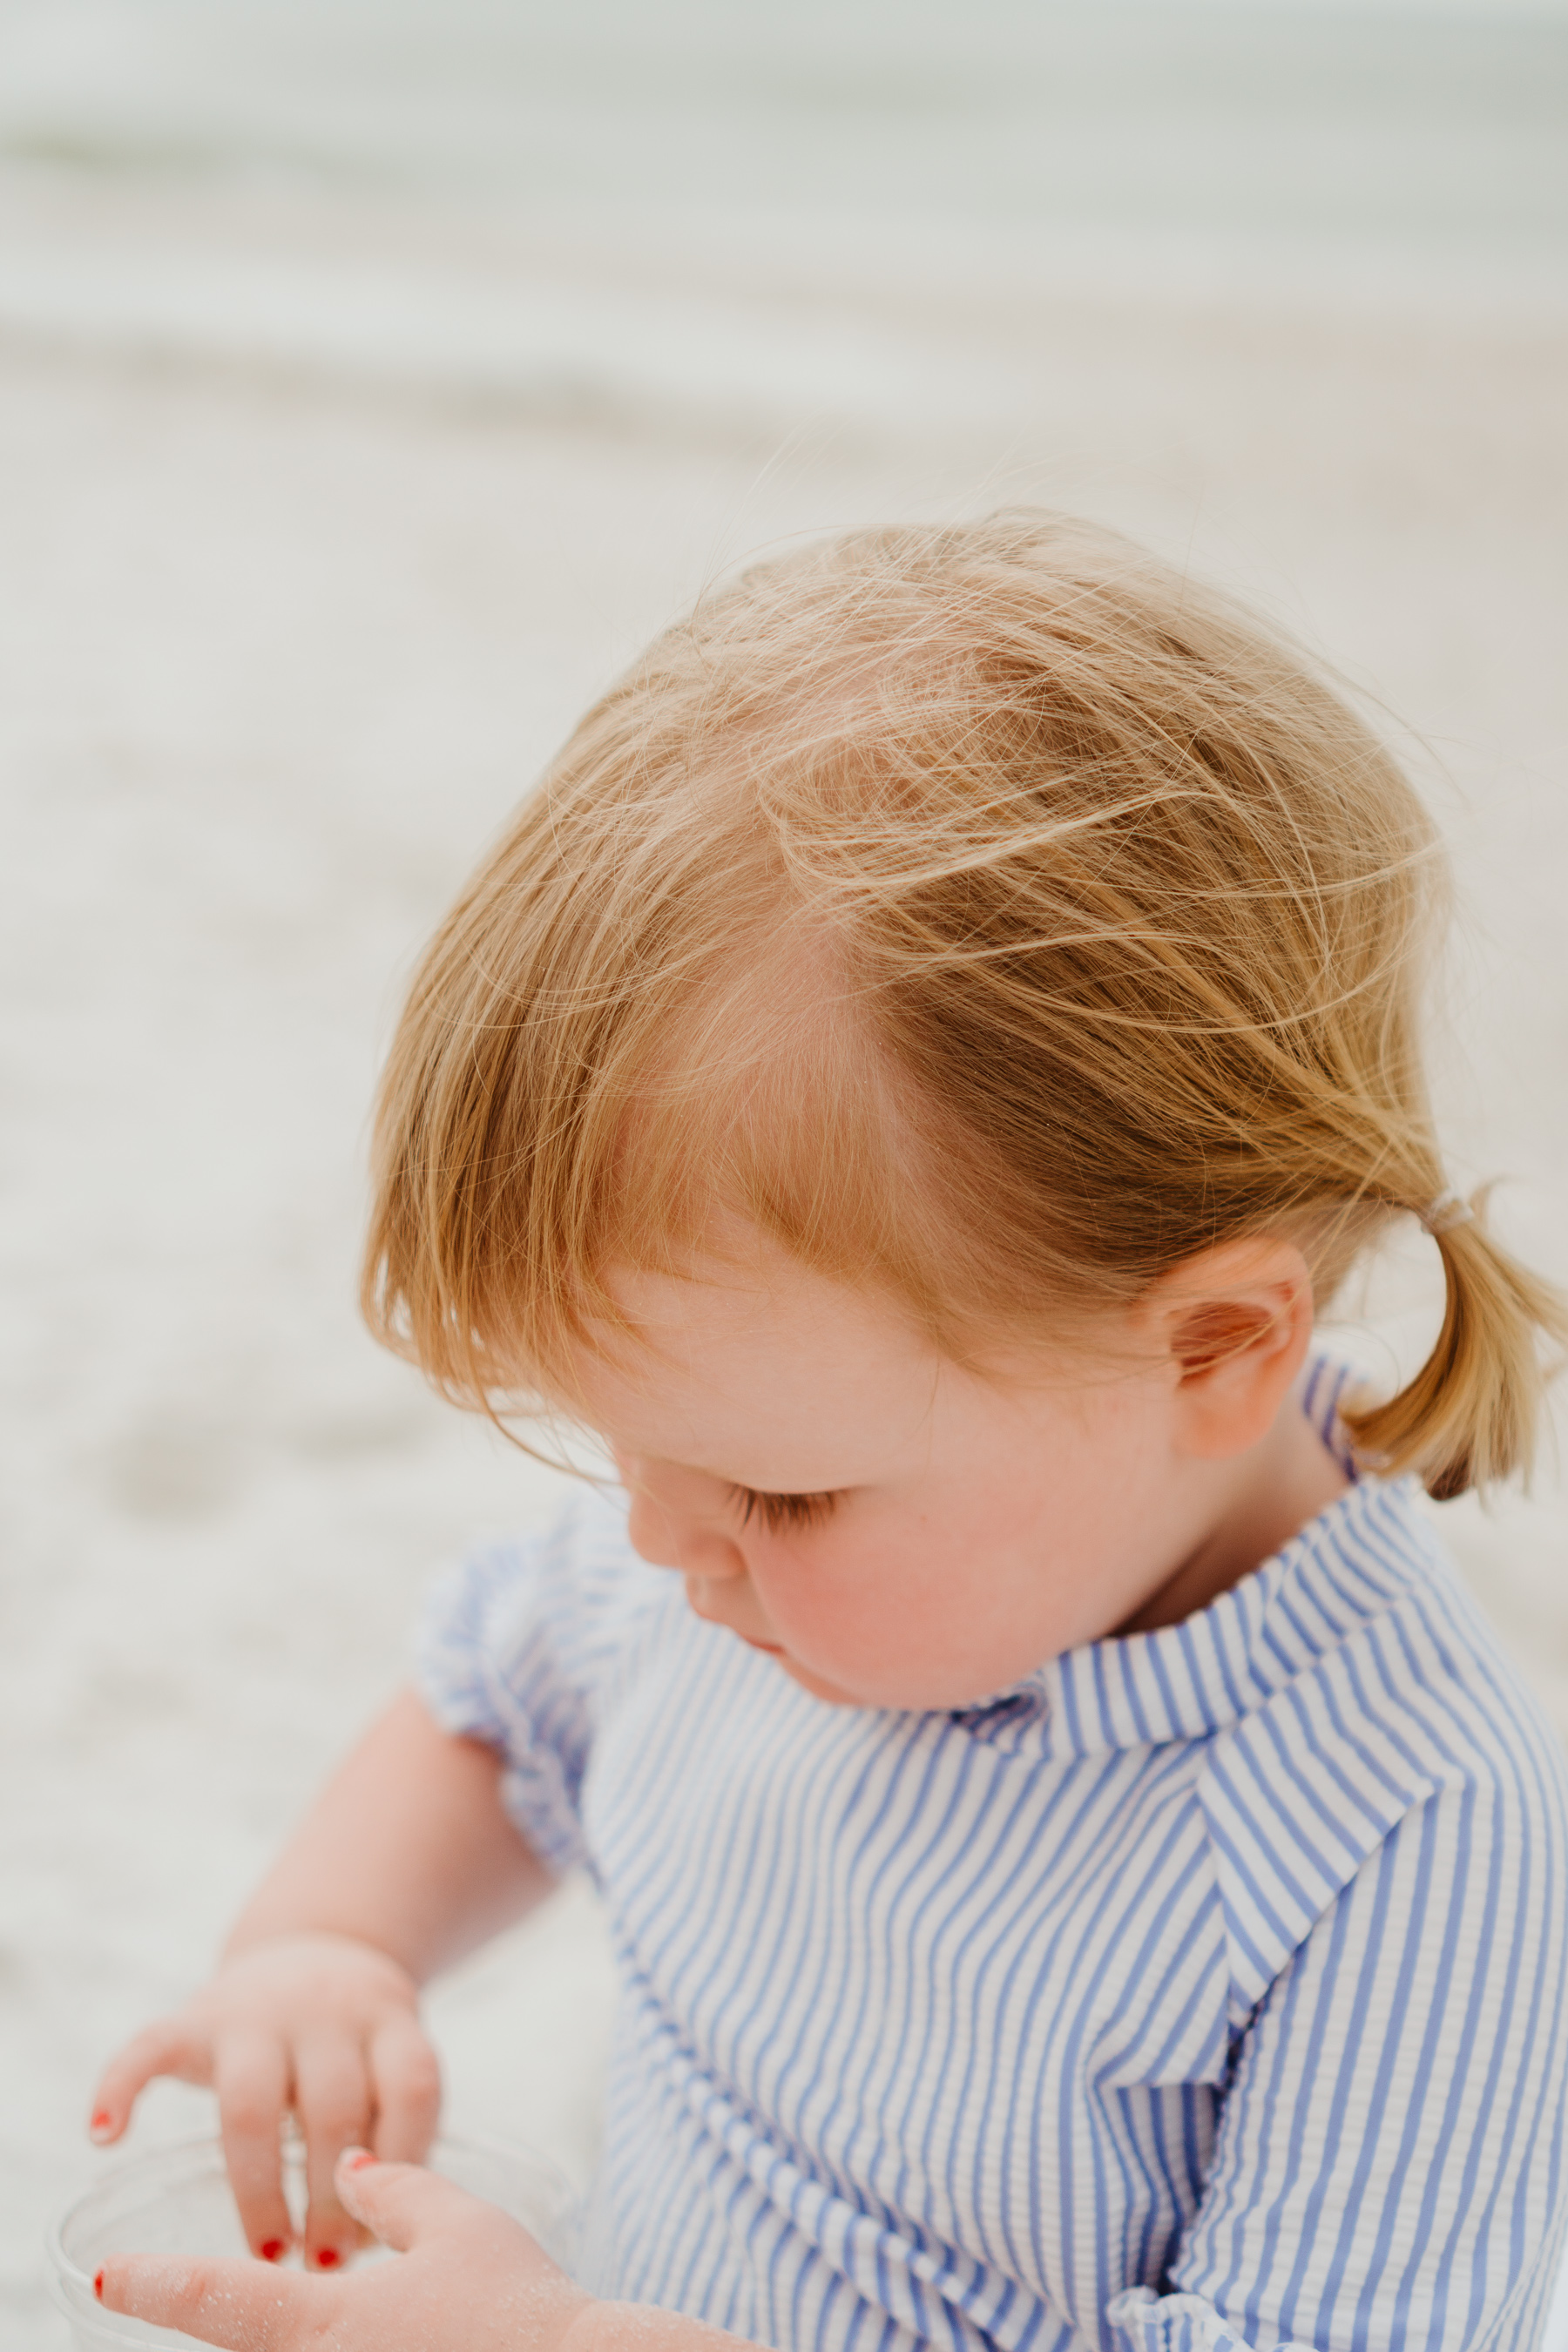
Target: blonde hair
984, 913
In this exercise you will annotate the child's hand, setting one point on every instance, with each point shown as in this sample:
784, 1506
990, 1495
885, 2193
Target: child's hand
471, 2280
321, 2024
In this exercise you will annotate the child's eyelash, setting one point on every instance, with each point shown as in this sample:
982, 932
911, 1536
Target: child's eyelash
778, 1512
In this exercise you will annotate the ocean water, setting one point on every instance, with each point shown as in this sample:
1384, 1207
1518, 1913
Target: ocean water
720, 206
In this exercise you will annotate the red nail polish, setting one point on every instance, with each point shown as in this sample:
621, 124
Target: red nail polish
327, 2258
98, 2285
357, 2163
271, 2249
102, 2121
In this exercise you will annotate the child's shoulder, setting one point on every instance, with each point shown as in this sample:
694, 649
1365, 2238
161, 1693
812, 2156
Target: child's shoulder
1378, 1610
1370, 1691
568, 1593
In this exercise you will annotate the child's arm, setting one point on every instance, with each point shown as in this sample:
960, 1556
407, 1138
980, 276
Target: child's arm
407, 1848
406, 1861
1386, 2173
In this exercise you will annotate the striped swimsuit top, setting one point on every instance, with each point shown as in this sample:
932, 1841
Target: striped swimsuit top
1205, 1991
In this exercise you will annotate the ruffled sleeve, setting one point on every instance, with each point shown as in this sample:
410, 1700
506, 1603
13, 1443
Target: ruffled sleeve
514, 1649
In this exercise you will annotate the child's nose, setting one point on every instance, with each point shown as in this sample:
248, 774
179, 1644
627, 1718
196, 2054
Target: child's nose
668, 1535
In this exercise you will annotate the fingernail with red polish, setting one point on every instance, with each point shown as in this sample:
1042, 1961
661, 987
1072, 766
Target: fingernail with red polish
271, 2249
326, 2258
98, 2284
101, 2123
360, 2158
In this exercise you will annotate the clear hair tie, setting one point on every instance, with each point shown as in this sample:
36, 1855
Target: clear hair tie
1448, 1210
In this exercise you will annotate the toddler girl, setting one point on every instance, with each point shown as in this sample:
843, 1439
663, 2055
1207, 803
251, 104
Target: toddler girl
1080, 1872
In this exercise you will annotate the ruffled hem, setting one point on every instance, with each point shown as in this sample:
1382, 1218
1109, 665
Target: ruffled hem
1146, 2322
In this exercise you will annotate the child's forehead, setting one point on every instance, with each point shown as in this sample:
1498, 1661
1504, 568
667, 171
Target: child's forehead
752, 1363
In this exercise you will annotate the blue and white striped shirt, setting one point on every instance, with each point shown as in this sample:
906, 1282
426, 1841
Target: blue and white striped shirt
1208, 1991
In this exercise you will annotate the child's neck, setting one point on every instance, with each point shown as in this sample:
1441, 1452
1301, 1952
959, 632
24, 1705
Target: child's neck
1278, 1485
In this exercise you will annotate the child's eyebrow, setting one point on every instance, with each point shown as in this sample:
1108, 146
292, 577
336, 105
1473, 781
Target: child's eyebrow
757, 1494
783, 1494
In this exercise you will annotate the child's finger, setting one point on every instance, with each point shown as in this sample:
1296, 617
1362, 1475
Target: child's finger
227, 2303
252, 2093
167, 2047
403, 2204
331, 2099
405, 2075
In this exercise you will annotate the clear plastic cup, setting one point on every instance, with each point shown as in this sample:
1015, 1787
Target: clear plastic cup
176, 2200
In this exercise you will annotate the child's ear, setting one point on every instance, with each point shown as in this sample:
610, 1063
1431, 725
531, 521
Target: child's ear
1233, 1326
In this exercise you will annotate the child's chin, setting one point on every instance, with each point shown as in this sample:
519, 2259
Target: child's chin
832, 1694
819, 1687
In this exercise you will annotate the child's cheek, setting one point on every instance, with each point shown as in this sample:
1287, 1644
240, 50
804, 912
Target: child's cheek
843, 1613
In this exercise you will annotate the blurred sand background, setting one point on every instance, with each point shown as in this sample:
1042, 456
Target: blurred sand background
372, 383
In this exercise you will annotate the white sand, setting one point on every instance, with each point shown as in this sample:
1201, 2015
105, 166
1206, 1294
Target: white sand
284, 629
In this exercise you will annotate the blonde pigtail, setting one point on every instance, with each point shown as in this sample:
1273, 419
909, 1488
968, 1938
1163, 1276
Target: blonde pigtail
1472, 1413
